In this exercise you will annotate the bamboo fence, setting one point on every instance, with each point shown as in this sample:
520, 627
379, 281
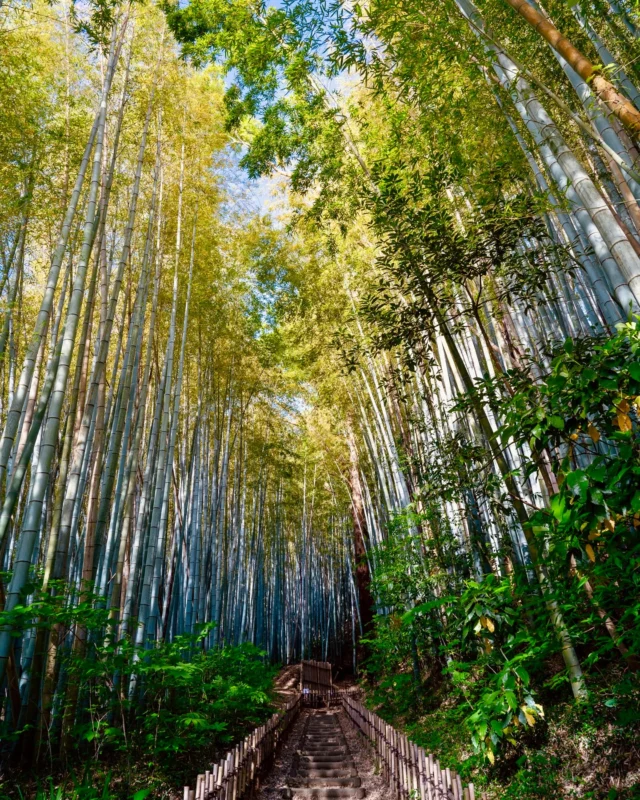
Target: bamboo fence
238, 773
315, 698
407, 769
315, 675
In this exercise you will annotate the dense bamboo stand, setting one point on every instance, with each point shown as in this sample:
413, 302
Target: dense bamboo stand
407, 769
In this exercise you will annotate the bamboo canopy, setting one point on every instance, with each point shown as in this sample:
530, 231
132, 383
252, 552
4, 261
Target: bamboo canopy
316, 424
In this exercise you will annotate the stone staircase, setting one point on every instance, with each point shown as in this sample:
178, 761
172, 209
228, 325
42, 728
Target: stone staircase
323, 766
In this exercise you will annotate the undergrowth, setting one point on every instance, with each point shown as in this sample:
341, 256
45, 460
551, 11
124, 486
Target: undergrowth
169, 715
589, 750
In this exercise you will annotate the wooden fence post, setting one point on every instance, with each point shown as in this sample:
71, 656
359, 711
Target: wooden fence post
406, 768
237, 774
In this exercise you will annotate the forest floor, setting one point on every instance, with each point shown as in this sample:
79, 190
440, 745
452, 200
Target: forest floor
359, 748
586, 752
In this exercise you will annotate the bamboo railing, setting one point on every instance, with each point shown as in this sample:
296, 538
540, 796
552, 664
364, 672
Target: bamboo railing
238, 773
315, 675
315, 698
407, 769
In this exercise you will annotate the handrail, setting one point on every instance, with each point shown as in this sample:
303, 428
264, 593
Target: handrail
327, 697
238, 773
407, 768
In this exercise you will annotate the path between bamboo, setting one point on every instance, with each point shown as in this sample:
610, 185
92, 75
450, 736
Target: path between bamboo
322, 744
324, 756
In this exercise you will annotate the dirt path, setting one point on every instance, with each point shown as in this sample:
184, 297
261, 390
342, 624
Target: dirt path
287, 684
275, 785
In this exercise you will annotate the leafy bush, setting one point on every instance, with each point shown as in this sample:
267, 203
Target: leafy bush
173, 701
168, 710
469, 644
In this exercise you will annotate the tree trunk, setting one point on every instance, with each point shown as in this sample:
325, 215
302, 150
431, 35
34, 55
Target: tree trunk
610, 96
360, 534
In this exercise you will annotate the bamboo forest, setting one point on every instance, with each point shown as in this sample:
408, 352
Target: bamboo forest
319, 341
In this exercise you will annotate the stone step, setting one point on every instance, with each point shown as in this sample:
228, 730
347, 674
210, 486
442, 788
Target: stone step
324, 721
320, 737
333, 726
305, 758
324, 740
334, 737
320, 793
314, 782
315, 757
323, 767
319, 748
321, 726
324, 745
327, 773
324, 730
